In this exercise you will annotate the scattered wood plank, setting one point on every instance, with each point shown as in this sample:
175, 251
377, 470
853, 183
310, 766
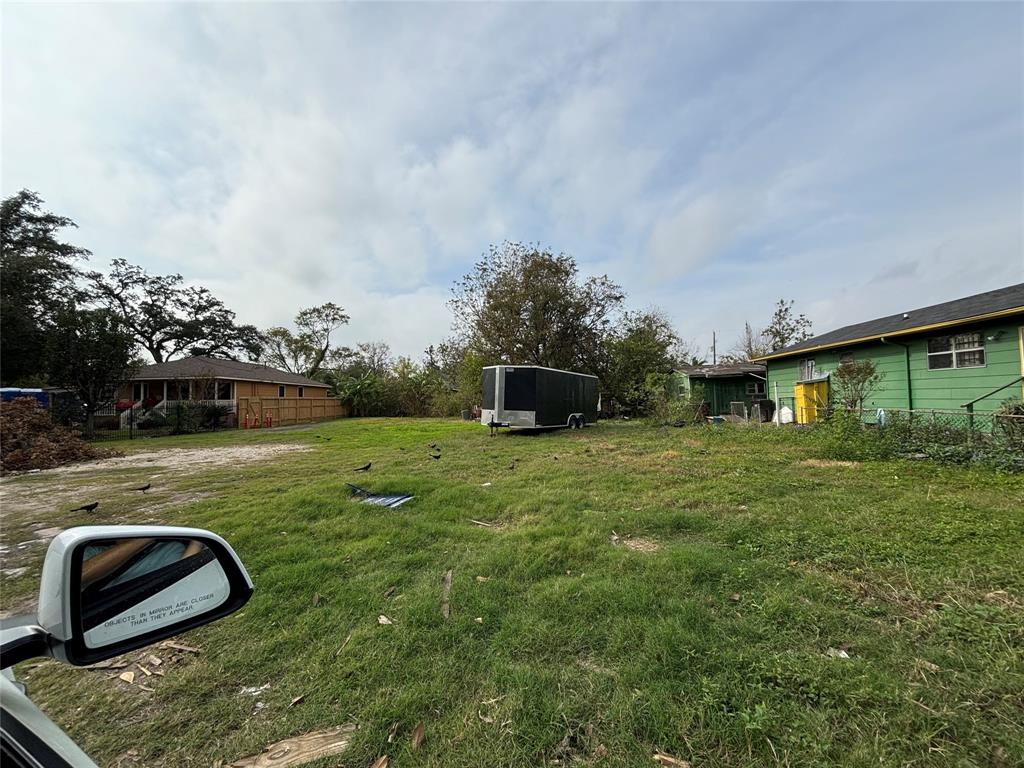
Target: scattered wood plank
297, 700
128, 677
301, 749
381, 762
445, 593
671, 762
182, 647
481, 522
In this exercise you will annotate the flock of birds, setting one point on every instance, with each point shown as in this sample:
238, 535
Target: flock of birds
435, 454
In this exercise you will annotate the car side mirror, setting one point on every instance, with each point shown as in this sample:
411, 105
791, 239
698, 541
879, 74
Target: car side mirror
107, 590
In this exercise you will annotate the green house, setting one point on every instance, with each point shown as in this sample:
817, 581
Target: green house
941, 357
724, 385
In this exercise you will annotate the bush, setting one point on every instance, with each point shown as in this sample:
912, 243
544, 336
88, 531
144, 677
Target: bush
32, 441
152, 420
843, 436
185, 418
214, 416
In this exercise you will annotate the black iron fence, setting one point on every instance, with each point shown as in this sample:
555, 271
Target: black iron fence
177, 417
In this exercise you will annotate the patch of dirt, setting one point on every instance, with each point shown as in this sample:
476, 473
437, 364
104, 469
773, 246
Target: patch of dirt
670, 455
827, 463
637, 543
184, 458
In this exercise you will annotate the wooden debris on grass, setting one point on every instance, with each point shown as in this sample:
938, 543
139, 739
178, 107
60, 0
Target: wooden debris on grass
416, 740
181, 647
481, 523
338, 652
670, 762
384, 620
301, 749
392, 732
317, 599
128, 677
482, 579
446, 589
389, 592
297, 700
381, 762
105, 665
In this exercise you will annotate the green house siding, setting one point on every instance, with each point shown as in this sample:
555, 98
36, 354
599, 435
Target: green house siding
943, 389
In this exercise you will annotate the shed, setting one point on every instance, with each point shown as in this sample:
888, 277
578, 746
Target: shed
724, 384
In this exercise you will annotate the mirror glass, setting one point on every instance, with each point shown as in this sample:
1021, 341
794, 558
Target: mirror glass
133, 586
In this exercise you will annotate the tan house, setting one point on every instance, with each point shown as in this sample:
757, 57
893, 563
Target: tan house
250, 391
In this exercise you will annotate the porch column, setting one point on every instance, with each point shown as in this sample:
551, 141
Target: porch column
165, 390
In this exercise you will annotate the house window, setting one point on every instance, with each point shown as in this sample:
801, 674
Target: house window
300, 391
965, 350
755, 387
280, 391
806, 370
223, 390
139, 390
846, 358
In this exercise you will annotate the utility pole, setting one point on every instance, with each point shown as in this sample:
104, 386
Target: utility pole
714, 349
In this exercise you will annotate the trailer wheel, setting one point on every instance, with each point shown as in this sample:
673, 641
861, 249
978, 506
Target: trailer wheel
574, 422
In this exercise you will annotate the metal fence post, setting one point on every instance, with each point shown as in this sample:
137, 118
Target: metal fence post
970, 423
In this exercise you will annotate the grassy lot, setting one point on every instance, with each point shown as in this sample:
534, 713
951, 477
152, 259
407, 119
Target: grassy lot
639, 589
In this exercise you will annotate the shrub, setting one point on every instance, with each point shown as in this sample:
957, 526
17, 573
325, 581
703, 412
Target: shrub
843, 436
32, 441
214, 416
152, 420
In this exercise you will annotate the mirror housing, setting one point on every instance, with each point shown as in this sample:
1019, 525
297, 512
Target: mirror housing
109, 589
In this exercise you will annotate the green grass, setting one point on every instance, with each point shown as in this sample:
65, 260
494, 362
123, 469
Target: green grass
711, 648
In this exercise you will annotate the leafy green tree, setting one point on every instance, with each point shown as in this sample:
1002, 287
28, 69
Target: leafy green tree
524, 305
38, 277
306, 350
641, 346
92, 353
786, 327
168, 318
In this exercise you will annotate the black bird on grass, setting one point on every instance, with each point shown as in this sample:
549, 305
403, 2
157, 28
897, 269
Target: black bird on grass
364, 468
87, 507
143, 488
432, 445
435, 458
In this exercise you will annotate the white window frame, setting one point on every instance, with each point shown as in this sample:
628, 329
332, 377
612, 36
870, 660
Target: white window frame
806, 364
756, 388
953, 351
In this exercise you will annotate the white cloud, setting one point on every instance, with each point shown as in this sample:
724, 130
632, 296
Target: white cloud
367, 154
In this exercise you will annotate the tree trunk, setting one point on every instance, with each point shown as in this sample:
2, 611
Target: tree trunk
90, 423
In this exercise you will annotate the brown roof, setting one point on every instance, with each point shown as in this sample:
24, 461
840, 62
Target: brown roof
724, 369
215, 367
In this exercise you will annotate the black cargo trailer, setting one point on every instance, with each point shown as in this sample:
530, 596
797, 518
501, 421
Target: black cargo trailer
529, 397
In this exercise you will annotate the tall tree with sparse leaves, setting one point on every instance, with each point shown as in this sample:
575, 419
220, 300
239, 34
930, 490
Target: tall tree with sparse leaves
306, 350
169, 318
786, 327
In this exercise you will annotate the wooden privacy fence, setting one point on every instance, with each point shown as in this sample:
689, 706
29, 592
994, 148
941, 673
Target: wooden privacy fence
288, 410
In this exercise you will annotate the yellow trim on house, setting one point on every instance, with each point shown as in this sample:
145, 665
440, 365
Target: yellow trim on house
1020, 343
905, 332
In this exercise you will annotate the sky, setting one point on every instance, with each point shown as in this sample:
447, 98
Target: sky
859, 159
